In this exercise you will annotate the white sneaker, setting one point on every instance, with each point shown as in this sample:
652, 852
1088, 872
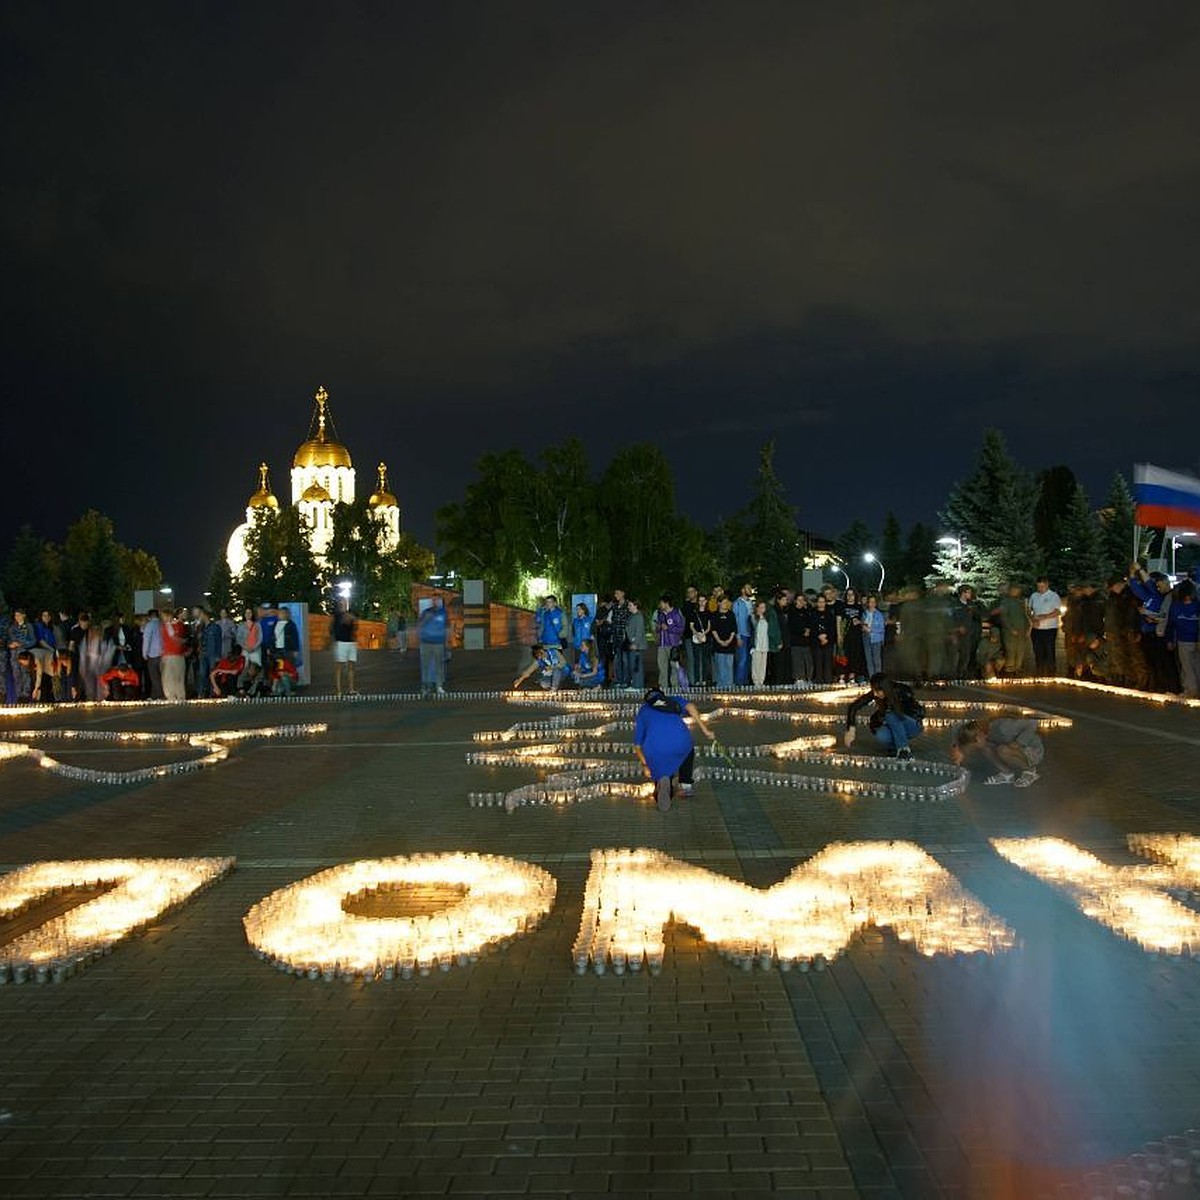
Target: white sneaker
1001, 777
1027, 777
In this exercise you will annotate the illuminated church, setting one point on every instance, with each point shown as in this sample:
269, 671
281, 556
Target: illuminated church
322, 477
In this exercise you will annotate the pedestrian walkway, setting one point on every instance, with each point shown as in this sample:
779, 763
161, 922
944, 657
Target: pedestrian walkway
183, 1065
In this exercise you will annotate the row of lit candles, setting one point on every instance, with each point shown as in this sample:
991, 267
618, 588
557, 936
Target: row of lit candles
778, 696
305, 928
141, 891
807, 920
215, 743
630, 896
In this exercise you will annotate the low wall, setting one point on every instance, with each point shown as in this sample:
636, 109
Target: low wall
372, 635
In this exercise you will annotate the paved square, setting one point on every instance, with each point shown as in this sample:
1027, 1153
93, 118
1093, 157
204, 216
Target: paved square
182, 1065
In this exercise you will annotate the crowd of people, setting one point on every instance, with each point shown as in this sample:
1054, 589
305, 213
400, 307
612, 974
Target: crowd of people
158, 655
1140, 632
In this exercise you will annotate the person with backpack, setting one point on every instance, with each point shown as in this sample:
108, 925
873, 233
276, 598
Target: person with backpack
896, 719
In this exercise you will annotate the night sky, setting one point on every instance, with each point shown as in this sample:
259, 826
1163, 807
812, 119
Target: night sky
866, 231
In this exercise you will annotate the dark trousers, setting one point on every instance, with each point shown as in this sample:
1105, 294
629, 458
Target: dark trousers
1044, 644
154, 670
685, 767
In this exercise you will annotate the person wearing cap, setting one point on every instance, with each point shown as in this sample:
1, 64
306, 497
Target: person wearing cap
663, 743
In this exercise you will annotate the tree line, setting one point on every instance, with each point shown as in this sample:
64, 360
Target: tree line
552, 519
89, 571
280, 563
549, 519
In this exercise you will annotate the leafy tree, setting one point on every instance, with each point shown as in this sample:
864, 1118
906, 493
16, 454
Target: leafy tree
356, 548
723, 544
1079, 555
774, 551
279, 560
298, 574
571, 531
139, 569
30, 573
220, 589
382, 575
408, 563
637, 502
992, 513
491, 534
92, 575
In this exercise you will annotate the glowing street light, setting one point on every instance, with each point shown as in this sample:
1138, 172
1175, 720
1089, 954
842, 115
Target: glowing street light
956, 542
870, 558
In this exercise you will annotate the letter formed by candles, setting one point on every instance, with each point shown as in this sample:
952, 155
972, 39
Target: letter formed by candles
139, 891
305, 928
804, 920
1132, 901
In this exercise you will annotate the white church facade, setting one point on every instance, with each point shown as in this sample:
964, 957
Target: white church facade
322, 477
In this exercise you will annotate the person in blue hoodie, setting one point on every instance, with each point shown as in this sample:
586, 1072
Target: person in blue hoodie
1183, 627
431, 636
550, 623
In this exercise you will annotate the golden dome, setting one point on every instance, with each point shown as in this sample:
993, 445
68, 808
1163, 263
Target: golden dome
381, 497
263, 498
321, 449
315, 494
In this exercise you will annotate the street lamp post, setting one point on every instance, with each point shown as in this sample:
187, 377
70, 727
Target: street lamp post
870, 558
956, 542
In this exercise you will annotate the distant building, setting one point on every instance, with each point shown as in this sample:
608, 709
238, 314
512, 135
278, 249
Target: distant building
322, 477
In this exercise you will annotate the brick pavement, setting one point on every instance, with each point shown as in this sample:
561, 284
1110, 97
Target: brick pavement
182, 1066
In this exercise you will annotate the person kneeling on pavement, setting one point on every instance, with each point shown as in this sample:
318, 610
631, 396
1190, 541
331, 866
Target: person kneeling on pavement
549, 665
663, 741
1010, 744
896, 719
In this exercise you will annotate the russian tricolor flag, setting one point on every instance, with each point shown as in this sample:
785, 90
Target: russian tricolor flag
1165, 498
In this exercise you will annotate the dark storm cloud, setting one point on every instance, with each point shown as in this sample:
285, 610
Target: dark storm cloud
726, 222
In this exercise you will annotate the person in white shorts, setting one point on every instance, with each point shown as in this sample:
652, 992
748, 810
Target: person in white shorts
1010, 744
345, 647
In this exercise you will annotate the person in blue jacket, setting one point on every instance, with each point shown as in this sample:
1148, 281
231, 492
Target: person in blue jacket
589, 669
581, 628
1183, 629
663, 742
550, 623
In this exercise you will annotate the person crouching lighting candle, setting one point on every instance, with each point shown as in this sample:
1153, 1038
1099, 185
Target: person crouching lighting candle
1010, 744
896, 719
663, 743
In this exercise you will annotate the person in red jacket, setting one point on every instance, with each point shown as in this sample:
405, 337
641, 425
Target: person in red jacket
174, 652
